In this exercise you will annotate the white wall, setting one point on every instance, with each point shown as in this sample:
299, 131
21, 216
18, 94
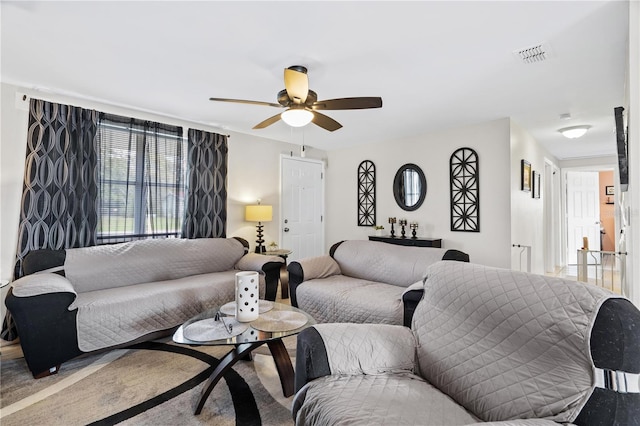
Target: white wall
431, 152
253, 170
527, 213
591, 163
633, 195
12, 157
254, 173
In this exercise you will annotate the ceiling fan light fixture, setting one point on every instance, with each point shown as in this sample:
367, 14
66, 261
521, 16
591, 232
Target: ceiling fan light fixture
297, 117
574, 132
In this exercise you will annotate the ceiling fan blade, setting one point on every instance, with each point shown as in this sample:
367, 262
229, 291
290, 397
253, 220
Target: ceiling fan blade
297, 84
242, 101
268, 122
325, 122
349, 103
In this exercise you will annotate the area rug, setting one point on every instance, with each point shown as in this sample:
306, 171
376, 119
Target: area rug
153, 383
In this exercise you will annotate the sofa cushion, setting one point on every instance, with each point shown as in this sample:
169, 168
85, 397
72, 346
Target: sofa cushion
144, 308
368, 348
389, 399
506, 344
344, 299
387, 263
144, 261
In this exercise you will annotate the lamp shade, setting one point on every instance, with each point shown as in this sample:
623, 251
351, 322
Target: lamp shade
297, 117
258, 213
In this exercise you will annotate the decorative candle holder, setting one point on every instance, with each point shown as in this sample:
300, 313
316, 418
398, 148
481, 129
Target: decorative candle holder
392, 220
247, 296
403, 223
414, 227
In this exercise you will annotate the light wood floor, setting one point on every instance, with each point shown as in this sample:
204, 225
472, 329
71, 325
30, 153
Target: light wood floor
10, 350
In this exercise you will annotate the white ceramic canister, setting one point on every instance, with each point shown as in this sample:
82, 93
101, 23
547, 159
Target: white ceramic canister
247, 296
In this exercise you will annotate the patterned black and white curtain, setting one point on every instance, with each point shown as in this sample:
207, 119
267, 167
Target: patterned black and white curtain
58, 206
206, 201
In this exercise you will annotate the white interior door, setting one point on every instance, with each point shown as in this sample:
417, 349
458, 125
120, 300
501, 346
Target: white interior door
302, 227
583, 213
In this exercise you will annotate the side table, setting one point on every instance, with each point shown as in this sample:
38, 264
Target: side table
284, 275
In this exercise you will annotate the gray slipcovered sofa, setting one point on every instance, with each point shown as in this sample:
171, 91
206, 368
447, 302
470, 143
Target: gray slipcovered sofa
364, 281
485, 345
92, 298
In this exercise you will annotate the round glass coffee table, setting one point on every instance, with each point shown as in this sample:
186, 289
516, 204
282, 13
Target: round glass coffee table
217, 327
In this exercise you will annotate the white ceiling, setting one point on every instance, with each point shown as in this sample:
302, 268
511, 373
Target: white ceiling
436, 65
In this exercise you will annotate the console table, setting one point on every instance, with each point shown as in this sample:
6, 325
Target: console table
408, 241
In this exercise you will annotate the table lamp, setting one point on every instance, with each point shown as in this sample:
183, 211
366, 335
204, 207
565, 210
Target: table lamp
259, 213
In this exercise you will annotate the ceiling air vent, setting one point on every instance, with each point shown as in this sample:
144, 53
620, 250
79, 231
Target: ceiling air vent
533, 54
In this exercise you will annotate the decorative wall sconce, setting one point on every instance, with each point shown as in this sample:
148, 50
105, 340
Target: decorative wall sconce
392, 220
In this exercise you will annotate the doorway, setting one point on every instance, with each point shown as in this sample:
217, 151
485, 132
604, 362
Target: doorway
590, 218
583, 213
302, 219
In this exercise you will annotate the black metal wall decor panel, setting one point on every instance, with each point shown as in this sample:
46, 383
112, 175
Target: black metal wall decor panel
366, 193
465, 190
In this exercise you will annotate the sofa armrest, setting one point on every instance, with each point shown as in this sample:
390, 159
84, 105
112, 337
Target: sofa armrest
326, 349
269, 265
311, 357
410, 299
47, 328
319, 267
258, 262
309, 269
42, 283
520, 422
456, 255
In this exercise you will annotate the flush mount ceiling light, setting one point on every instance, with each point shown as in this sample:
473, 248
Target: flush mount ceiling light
574, 132
297, 117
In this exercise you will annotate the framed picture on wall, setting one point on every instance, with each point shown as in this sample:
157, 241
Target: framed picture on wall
525, 179
536, 181
608, 190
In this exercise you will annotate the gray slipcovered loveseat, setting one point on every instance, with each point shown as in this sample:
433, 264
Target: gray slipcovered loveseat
485, 345
364, 281
87, 299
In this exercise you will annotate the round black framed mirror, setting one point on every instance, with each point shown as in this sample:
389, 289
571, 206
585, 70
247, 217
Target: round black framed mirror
409, 187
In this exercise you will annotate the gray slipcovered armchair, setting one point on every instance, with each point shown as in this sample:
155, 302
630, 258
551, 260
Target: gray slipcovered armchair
485, 345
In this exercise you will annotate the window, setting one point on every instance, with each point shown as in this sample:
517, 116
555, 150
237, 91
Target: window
141, 175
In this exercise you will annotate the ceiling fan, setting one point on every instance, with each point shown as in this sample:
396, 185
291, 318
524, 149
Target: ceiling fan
302, 104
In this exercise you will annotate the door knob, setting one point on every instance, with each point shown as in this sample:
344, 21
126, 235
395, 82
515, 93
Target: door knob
286, 229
